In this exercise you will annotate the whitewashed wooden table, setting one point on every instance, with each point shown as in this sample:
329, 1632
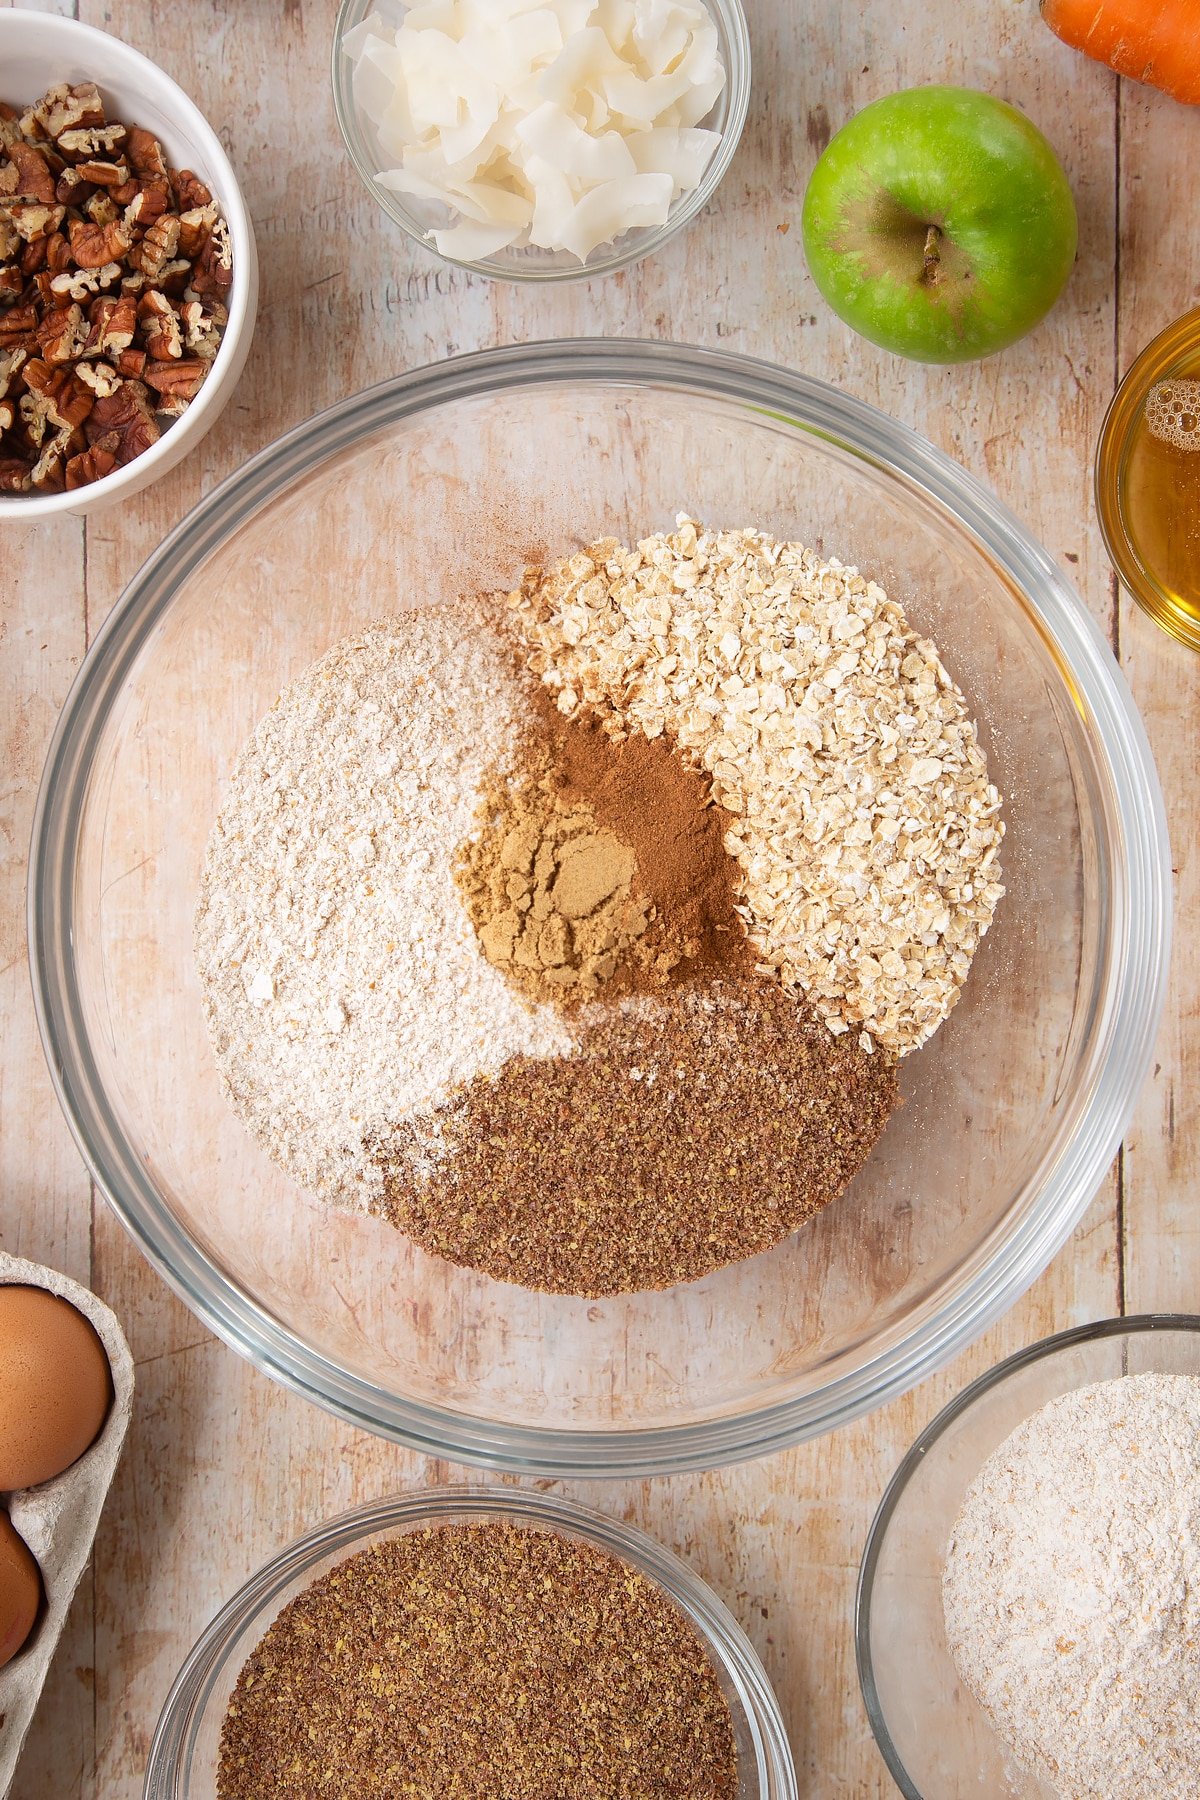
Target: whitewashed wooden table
222, 1466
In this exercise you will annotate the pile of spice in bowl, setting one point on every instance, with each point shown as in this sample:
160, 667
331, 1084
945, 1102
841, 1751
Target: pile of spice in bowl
115, 273
579, 933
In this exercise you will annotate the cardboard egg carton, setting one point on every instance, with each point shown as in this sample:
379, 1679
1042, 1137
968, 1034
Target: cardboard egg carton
59, 1519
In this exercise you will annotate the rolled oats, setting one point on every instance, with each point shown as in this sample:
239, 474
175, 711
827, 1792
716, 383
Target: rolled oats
866, 827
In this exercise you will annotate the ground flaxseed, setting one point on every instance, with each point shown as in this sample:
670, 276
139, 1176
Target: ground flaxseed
479, 1662
687, 1131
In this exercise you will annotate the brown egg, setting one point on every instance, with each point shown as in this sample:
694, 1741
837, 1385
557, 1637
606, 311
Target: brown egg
55, 1386
20, 1591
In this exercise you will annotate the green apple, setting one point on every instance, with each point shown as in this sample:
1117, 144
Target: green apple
939, 223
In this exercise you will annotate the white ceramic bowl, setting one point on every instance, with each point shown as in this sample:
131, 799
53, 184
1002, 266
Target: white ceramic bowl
38, 49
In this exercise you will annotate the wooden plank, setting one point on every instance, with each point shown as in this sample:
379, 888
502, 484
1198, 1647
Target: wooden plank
222, 1466
45, 1202
1159, 280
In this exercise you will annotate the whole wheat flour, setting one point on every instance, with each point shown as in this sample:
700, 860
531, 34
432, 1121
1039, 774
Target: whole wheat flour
344, 986
1072, 1590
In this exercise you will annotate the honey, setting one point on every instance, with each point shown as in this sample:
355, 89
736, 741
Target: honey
1161, 501
1148, 480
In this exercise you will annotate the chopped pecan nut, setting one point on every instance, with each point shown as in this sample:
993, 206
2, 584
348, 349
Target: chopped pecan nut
14, 476
94, 245
150, 202
19, 327
35, 417
103, 174
33, 258
160, 329
35, 178
213, 274
201, 333
122, 422
79, 284
145, 153
101, 377
173, 277
190, 191
67, 399
113, 320
70, 189
91, 141
158, 247
66, 108
177, 381
11, 364
114, 271
48, 472
90, 465
62, 334
101, 208
195, 229
33, 219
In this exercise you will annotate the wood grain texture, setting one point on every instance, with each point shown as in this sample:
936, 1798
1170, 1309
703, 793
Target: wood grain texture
222, 1466
1159, 278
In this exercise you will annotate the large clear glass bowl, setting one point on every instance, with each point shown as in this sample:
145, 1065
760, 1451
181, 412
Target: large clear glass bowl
183, 1757
936, 1739
448, 479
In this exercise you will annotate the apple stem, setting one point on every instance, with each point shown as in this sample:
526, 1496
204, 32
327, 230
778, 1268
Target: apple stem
932, 268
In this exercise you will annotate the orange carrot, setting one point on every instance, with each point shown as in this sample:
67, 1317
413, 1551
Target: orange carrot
1149, 40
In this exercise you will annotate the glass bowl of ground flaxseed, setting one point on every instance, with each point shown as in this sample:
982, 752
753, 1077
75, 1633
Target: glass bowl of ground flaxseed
599, 908
472, 1641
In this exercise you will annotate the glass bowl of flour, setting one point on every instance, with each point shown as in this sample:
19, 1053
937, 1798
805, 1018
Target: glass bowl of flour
446, 482
1037, 1550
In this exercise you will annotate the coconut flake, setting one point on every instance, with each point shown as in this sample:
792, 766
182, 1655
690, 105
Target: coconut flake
555, 123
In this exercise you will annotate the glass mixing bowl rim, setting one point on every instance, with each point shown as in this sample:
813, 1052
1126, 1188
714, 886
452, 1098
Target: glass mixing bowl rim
1137, 919
1135, 1325
635, 244
175, 1733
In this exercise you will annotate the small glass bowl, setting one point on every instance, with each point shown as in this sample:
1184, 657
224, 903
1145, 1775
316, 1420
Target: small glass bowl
183, 1756
421, 217
935, 1738
1174, 353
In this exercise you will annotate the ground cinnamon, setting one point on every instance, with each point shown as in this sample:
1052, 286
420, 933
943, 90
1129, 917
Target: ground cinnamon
601, 866
647, 795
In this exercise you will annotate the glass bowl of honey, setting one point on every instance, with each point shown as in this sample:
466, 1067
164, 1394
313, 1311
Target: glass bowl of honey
1148, 479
